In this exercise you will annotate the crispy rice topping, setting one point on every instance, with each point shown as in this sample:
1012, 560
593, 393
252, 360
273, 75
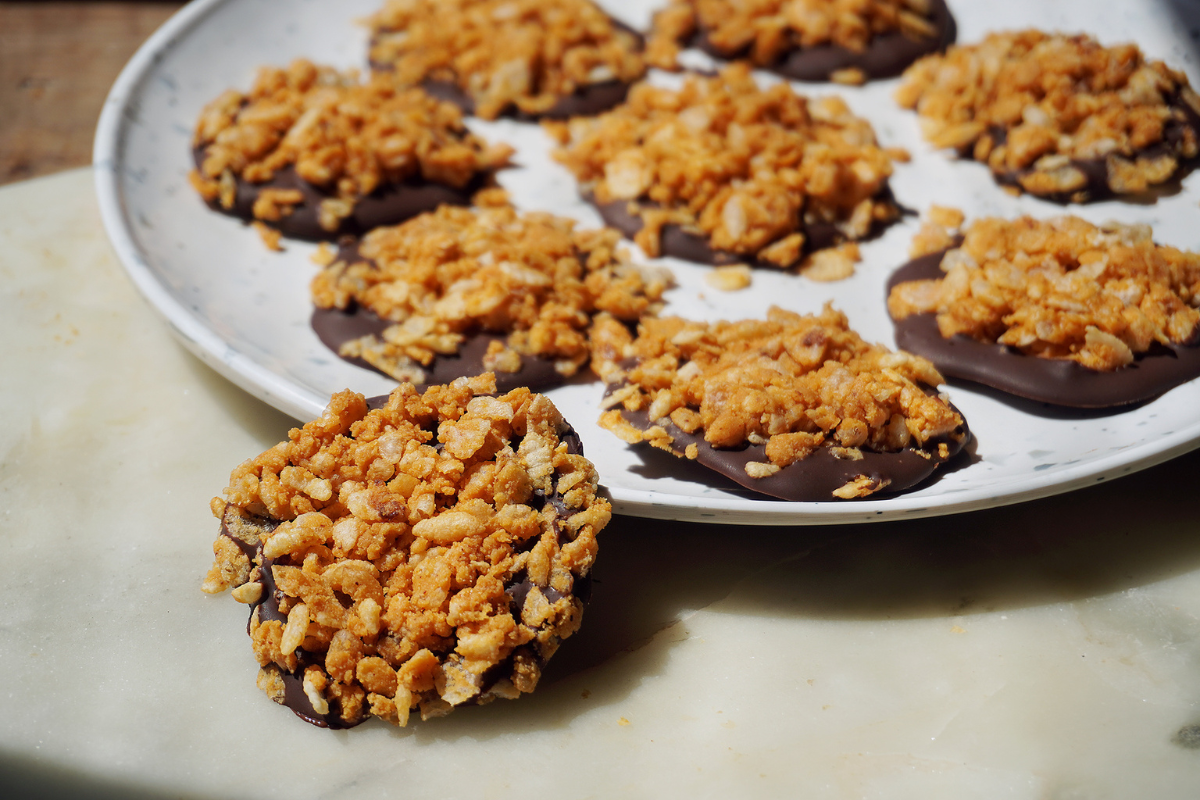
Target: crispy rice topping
1034, 101
442, 276
1061, 288
794, 382
747, 167
338, 133
425, 553
766, 30
527, 53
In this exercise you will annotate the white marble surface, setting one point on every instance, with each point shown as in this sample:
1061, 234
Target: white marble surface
1048, 651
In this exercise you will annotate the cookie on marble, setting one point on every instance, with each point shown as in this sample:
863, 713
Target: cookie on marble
1057, 116
462, 291
792, 407
721, 171
845, 41
317, 154
530, 59
416, 553
1059, 311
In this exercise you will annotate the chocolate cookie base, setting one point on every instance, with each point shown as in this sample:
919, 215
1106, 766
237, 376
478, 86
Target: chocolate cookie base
886, 56
690, 246
390, 204
335, 327
584, 101
1095, 170
815, 478
1046, 380
294, 696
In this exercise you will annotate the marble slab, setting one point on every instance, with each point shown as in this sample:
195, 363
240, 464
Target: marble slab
1049, 650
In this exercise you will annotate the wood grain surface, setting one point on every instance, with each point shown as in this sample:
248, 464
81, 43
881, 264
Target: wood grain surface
57, 63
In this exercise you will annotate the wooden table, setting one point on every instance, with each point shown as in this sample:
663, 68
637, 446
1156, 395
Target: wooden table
57, 62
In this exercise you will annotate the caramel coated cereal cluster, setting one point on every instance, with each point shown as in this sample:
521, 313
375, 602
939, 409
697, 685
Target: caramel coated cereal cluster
766, 30
792, 382
749, 168
524, 53
442, 276
426, 554
1038, 108
1061, 288
337, 133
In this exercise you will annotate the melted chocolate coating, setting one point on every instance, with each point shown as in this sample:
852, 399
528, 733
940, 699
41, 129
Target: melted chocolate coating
390, 204
1096, 170
814, 478
1046, 380
680, 243
334, 327
885, 56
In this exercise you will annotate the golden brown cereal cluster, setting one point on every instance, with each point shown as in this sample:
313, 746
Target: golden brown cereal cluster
1032, 105
1061, 288
423, 555
748, 168
338, 133
524, 53
767, 29
795, 383
442, 276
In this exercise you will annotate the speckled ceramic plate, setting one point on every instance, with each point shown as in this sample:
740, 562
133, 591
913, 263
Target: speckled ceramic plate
245, 310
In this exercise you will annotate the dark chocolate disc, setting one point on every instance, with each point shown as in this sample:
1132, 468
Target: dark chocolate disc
268, 606
693, 246
335, 326
816, 477
1046, 380
1095, 170
885, 56
390, 204
584, 101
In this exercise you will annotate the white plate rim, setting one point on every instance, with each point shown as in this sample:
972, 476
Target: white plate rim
302, 404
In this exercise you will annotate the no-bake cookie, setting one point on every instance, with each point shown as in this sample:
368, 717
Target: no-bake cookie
460, 291
1060, 117
721, 171
1060, 311
793, 407
846, 41
426, 554
318, 154
528, 58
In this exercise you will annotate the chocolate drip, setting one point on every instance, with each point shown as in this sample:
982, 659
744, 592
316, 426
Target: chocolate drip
1046, 380
390, 204
885, 56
